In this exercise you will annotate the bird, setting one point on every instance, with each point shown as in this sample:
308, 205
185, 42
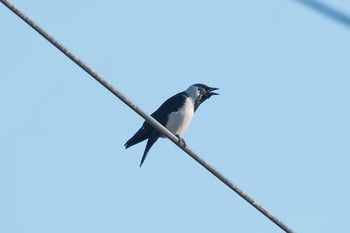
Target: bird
175, 114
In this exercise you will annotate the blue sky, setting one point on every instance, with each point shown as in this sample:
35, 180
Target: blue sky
279, 129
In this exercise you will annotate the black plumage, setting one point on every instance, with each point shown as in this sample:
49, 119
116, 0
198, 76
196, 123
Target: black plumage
172, 104
175, 114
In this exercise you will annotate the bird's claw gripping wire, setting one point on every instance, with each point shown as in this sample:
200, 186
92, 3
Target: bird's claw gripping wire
182, 142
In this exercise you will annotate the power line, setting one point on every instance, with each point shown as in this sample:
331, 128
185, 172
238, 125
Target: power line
327, 11
144, 115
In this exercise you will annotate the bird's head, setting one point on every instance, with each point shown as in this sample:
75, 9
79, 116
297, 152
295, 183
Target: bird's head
200, 92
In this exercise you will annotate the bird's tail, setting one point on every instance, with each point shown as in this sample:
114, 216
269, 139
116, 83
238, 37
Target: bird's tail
154, 137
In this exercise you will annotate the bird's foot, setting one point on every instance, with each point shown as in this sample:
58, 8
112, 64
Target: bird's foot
181, 141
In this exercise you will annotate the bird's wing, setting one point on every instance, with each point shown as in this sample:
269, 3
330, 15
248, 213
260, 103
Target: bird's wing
172, 104
161, 115
142, 134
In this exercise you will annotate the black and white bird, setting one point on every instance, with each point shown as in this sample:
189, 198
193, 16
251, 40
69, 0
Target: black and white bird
175, 114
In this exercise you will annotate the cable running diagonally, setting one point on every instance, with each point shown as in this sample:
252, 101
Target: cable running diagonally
144, 115
327, 10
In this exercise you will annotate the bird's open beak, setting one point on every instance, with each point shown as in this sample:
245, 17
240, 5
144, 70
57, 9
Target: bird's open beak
211, 89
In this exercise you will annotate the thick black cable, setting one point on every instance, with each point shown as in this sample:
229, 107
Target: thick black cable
144, 115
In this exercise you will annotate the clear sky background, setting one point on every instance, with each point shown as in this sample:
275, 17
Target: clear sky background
279, 129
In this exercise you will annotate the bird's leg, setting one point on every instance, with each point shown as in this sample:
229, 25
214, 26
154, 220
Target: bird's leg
181, 141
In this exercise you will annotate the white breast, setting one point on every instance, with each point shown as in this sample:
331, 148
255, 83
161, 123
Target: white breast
179, 121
